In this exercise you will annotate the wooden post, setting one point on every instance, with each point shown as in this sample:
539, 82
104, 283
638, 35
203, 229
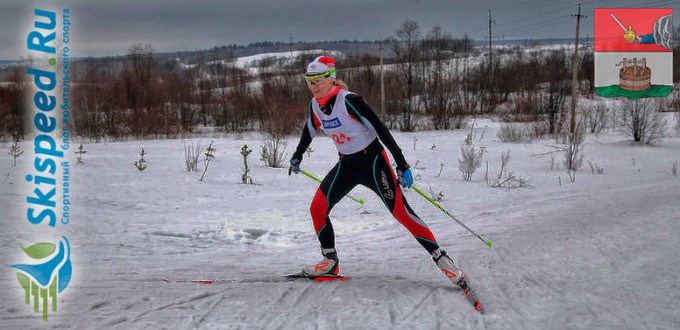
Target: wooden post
574, 75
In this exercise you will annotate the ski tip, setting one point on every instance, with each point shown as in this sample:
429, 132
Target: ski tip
478, 306
331, 278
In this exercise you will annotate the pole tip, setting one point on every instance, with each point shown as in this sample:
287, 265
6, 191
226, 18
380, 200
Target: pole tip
489, 243
361, 201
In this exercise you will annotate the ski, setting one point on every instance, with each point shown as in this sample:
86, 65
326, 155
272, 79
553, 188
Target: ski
165, 280
321, 278
263, 279
470, 295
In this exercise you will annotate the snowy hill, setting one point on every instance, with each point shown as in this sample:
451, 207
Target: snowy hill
600, 253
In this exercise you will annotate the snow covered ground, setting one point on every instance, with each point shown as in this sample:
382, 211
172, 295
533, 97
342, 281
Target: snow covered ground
600, 253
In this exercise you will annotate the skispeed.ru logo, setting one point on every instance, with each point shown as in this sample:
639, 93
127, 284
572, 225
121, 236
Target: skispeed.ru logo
44, 269
47, 276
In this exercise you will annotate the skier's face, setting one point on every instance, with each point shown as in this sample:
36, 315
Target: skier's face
320, 86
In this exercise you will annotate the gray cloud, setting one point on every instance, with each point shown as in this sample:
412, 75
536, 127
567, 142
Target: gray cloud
106, 27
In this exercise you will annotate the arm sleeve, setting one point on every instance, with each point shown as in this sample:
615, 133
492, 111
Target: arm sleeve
356, 106
308, 133
647, 39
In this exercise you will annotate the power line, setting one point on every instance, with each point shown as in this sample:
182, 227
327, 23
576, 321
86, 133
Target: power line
551, 21
639, 5
506, 26
523, 19
541, 14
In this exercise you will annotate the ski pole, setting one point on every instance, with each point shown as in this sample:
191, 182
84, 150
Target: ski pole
311, 176
431, 200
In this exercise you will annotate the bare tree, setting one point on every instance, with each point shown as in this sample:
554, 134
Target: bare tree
12, 105
242, 102
204, 86
140, 69
642, 121
92, 103
407, 51
587, 69
437, 96
181, 100
595, 118
467, 96
362, 74
141, 90
220, 69
280, 116
555, 70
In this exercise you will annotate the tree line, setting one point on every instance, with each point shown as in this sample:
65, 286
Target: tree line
432, 80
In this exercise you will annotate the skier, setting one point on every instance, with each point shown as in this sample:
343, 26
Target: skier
357, 133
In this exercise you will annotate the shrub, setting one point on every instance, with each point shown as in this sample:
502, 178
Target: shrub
515, 133
469, 161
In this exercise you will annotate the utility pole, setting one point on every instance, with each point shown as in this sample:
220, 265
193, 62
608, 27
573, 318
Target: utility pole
490, 56
574, 73
382, 79
491, 83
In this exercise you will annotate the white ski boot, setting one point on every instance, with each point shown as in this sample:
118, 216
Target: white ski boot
448, 267
456, 276
328, 266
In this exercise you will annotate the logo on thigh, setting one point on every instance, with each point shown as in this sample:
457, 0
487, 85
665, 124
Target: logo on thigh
389, 193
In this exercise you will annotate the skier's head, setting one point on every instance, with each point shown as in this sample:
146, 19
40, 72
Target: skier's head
321, 66
320, 75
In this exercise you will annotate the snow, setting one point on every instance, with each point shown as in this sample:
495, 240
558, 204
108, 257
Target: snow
599, 253
253, 61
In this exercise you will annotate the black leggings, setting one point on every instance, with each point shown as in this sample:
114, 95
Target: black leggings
370, 168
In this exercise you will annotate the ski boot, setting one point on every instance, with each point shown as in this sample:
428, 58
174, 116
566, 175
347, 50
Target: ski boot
328, 266
456, 276
448, 267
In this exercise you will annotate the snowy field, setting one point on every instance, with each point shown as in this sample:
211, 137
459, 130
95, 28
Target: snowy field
600, 253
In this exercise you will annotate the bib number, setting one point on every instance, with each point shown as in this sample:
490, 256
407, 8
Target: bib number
340, 139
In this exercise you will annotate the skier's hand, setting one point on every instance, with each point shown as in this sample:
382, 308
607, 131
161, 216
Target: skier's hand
405, 178
294, 166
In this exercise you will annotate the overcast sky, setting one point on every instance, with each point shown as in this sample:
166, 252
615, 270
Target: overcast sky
110, 27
